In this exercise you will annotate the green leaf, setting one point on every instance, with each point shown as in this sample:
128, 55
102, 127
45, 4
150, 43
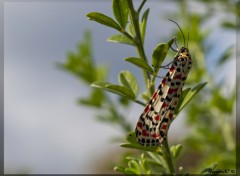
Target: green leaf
101, 73
103, 19
226, 55
120, 11
143, 24
120, 169
118, 38
229, 25
119, 90
218, 99
146, 96
189, 95
139, 63
210, 168
175, 150
123, 101
143, 164
131, 138
96, 99
181, 99
128, 80
133, 167
159, 54
131, 29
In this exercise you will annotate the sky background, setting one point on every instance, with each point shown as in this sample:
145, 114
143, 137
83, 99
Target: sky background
45, 130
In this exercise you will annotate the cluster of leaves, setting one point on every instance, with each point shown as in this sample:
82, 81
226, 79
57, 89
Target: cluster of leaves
200, 116
81, 64
134, 35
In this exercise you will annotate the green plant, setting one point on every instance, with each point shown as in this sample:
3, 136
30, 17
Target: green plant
216, 152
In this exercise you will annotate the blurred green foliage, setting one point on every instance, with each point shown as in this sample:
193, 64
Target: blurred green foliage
209, 146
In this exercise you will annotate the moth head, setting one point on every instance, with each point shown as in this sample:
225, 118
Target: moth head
184, 50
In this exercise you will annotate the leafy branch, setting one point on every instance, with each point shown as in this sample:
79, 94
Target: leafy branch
128, 87
130, 23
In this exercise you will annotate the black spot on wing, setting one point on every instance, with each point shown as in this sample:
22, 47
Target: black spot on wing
162, 133
178, 83
165, 120
160, 92
168, 99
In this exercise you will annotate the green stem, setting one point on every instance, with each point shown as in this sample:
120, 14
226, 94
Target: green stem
139, 102
134, 17
168, 157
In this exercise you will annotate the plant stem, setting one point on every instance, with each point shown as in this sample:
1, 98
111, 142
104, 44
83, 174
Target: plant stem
168, 157
139, 102
134, 16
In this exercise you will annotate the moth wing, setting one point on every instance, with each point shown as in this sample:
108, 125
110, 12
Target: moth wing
147, 129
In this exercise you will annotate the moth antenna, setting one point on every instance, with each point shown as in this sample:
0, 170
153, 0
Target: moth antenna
180, 30
187, 39
175, 41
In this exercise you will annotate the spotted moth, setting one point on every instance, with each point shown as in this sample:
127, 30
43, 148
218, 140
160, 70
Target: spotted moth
154, 122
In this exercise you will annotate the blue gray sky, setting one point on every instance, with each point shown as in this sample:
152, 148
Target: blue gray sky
45, 130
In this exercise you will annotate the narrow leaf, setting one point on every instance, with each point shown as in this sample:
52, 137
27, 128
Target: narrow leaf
181, 99
120, 11
175, 150
100, 84
210, 168
191, 94
226, 55
128, 80
131, 29
96, 98
139, 63
103, 19
229, 25
119, 90
146, 96
144, 24
118, 38
159, 54
120, 169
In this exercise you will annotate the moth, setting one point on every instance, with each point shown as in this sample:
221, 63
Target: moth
153, 124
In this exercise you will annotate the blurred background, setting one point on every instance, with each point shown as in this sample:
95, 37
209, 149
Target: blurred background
47, 130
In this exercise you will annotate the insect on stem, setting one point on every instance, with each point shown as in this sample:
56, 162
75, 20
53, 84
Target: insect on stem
154, 122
